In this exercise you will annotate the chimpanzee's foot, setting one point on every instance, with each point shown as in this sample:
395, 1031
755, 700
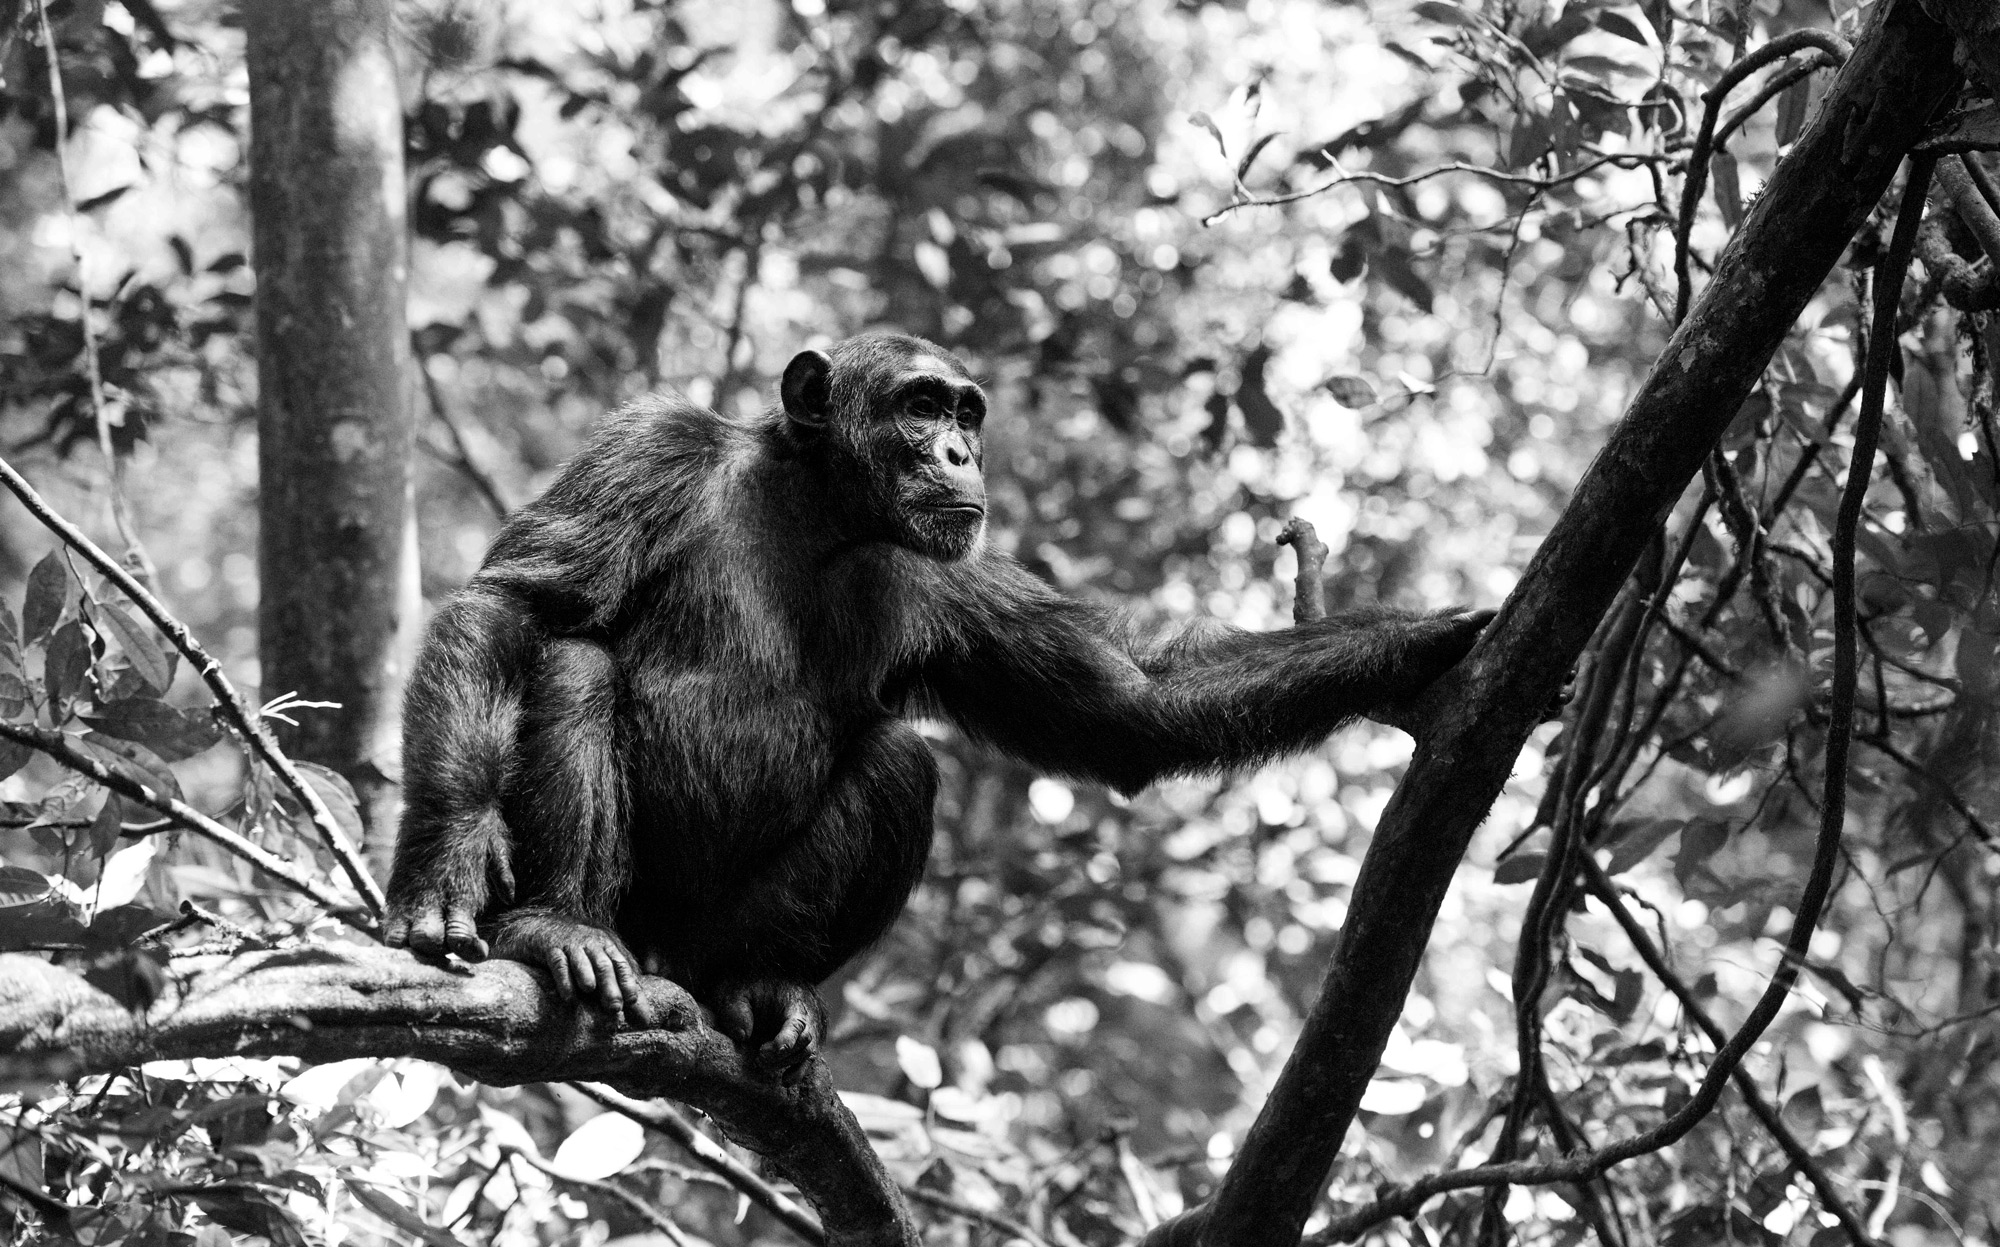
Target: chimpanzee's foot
779, 1022
584, 960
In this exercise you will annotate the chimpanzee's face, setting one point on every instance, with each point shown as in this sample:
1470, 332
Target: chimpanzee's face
908, 417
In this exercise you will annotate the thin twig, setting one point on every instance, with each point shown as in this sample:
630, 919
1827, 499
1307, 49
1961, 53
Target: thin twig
711, 1156
991, 1220
1753, 1096
1976, 825
1621, 160
121, 511
481, 479
1775, 87
227, 699
650, 1215
57, 746
1696, 178
1953, 176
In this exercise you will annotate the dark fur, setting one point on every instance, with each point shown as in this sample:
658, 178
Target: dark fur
669, 705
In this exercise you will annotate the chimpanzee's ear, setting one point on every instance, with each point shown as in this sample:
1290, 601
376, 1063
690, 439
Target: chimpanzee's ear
804, 389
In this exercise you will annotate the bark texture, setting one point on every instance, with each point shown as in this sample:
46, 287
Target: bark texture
1900, 73
340, 606
496, 1022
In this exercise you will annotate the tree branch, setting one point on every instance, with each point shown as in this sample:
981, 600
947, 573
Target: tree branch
227, 699
497, 1022
58, 746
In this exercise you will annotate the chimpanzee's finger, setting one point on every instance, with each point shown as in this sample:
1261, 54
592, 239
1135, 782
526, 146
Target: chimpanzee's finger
628, 988
427, 929
602, 964
557, 961
461, 934
580, 972
790, 1046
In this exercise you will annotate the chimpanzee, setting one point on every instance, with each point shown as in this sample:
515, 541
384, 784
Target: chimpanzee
662, 727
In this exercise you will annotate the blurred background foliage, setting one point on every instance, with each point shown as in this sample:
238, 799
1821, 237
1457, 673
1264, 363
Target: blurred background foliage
1089, 997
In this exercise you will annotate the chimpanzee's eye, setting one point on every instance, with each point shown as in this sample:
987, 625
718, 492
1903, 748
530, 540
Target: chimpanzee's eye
926, 405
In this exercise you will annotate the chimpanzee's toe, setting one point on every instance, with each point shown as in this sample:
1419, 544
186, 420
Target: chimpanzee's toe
779, 1022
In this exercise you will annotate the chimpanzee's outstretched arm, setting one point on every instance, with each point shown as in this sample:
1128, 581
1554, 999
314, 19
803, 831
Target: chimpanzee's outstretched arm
1048, 680
461, 718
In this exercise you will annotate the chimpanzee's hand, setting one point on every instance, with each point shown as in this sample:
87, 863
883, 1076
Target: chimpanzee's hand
781, 1023
434, 906
1432, 645
1438, 642
436, 921
584, 960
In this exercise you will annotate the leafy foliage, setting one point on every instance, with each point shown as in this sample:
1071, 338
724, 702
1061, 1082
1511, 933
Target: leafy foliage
1392, 271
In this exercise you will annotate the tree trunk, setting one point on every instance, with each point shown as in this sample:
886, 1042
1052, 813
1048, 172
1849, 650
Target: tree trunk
337, 550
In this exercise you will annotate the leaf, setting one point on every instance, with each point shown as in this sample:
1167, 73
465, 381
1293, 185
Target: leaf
48, 593
1804, 1112
1527, 141
1393, 265
21, 886
1615, 23
1727, 190
1701, 839
119, 925
1445, 14
1635, 841
600, 1147
1520, 868
1792, 107
919, 1062
104, 831
1207, 123
22, 1159
397, 1215
1250, 157
934, 262
134, 978
13, 756
125, 871
338, 795
1350, 260
67, 666
105, 200
10, 641
45, 925
172, 733
15, 695
248, 1211
1261, 417
1351, 391
154, 665
1606, 69
134, 761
